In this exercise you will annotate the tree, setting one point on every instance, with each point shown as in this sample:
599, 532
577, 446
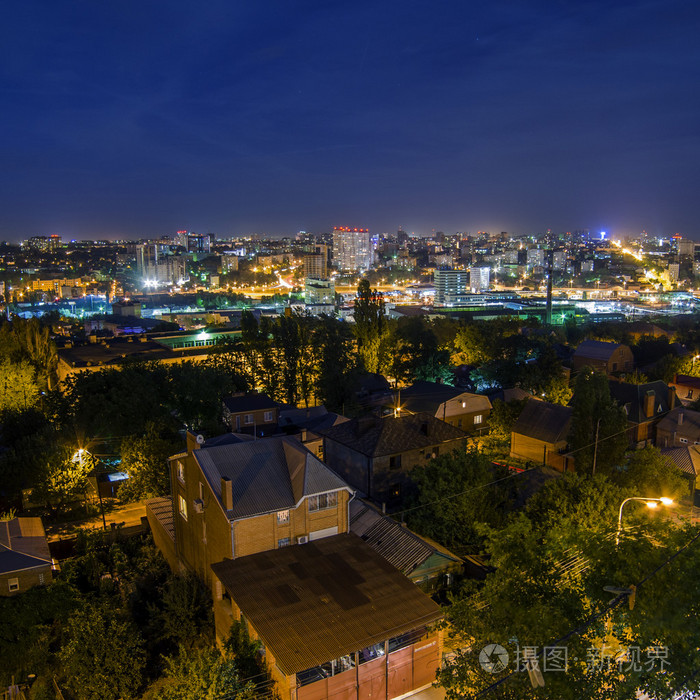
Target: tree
18, 388
452, 493
144, 459
337, 364
648, 473
595, 414
370, 325
63, 479
103, 655
202, 673
501, 420
551, 564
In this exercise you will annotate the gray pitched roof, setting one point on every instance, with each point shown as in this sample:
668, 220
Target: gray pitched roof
397, 544
632, 396
544, 421
375, 437
266, 475
249, 402
690, 421
23, 545
429, 396
596, 349
687, 459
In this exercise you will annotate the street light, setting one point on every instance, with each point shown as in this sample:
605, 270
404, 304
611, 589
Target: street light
650, 503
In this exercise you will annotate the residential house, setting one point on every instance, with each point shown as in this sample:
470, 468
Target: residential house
541, 433
251, 413
232, 499
603, 357
25, 560
423, 561
678, 428
266, 523
687, 388
463, 410
687, 459
335, 620
374, 454
644, 405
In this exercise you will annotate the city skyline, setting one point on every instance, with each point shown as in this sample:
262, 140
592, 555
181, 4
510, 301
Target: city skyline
519, 117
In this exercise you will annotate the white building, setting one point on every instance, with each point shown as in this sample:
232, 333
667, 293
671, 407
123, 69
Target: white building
479, 278
352, 249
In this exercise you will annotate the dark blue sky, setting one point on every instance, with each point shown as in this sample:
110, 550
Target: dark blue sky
138, 118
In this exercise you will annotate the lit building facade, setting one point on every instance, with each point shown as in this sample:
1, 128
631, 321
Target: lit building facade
450, 285
352, 249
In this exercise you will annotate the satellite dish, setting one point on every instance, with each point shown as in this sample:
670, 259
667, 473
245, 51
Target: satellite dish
200, 439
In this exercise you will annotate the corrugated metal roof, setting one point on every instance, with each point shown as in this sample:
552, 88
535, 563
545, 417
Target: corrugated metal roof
162, 509
687, 459
316, 602
267, 475
397, 544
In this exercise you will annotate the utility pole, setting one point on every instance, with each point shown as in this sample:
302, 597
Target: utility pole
595, 448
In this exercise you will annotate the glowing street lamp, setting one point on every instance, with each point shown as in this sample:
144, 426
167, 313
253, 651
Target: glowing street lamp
650, 503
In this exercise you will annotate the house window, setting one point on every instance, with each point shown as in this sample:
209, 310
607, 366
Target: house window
268, 416
690, 394
395, 462
249, 418
182, 506
323, 501
180, 471
283, 517
683, 440
13, 584
478, 419
284, 542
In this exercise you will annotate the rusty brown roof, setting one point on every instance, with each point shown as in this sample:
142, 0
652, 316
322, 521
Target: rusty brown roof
314, 602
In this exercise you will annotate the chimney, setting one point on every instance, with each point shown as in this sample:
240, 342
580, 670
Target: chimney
649, 404
226, 493
192, 442
671, 398
680, 417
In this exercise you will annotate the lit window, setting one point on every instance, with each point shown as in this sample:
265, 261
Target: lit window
284, 542
282, 517
323, 501
478, 419
180, 471
249, 418
182, 506
13, 584
268, 416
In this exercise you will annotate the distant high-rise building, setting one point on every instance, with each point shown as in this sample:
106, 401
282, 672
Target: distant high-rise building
352, 249
316, 265
535, 257
44, 244
450, 284
199, 242
479, 278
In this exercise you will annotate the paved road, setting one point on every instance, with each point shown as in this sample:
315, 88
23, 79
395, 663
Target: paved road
129, 514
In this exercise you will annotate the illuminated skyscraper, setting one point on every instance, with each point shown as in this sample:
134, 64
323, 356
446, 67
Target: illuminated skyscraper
352, 250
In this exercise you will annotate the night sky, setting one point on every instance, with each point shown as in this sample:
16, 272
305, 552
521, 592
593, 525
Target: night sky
131, 119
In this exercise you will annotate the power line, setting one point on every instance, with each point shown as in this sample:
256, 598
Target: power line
615, 602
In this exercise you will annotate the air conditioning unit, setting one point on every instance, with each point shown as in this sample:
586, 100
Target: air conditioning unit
302, 539
198, 505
